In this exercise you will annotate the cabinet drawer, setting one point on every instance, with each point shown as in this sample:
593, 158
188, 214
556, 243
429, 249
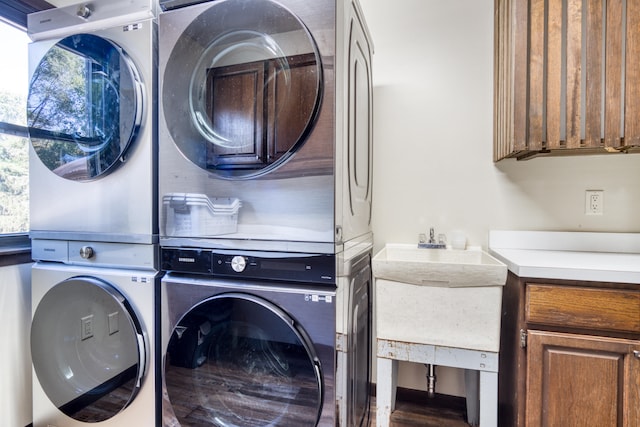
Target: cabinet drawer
583, 307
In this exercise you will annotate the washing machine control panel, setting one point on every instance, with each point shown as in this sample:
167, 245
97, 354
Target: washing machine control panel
314, 268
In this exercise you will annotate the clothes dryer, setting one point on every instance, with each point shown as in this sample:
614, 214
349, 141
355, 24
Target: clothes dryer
266, 106
93, 342
274, 339
243, 351
90, 113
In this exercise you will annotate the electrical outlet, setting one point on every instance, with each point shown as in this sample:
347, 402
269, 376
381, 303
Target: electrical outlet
594, 202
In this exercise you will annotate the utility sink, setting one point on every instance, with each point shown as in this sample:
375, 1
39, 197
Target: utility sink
438, 267
442, 297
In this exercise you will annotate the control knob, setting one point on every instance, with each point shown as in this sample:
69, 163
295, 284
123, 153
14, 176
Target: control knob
86, 252
84, 11
238, 263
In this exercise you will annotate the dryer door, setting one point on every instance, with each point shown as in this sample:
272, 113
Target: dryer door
241, 87
238, 360
84, 106
88, 350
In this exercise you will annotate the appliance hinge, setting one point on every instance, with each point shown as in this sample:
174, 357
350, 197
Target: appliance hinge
523, 338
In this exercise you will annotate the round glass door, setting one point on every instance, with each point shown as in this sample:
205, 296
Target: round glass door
251, 92
236, 360
87, 348
84, 107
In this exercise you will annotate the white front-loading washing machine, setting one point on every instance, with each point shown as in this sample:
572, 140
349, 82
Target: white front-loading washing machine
91, 117
267, 103
93, 338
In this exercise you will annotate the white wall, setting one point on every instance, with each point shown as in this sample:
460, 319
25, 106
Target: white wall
15, 352
433, 95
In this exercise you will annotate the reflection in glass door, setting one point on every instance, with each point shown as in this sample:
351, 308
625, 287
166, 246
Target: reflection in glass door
88, 349
238, 360
84, 107
253, 91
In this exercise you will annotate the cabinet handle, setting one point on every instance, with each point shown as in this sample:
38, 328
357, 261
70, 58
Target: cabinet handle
636, 354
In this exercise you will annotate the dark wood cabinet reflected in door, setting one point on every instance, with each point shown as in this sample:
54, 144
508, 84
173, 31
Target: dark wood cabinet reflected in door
289, 102
259, 110
235, 106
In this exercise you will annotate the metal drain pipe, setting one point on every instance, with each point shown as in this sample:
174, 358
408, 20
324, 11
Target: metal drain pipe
431, 379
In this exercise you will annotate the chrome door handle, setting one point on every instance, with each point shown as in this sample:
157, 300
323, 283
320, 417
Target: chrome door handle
636, 354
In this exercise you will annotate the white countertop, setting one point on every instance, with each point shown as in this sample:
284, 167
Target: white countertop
603, 257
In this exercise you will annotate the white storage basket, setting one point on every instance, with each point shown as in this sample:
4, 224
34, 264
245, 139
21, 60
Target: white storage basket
195, 215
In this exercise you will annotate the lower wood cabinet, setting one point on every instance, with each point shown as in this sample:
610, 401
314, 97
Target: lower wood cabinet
569, 354
577, 380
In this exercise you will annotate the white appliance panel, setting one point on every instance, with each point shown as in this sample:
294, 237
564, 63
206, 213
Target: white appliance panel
84, 343
121, 204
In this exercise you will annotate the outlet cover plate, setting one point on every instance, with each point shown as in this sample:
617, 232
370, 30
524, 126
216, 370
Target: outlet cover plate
594, 202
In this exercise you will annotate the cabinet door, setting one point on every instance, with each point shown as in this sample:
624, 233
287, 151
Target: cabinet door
575, 380
236, 91
290, 104
259, 110
564, 82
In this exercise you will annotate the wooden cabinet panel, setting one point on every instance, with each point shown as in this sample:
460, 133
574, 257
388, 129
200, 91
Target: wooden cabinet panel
259, 110
573, 380
564, 80
583, 307
288, 119
235, 92
632, 68
613, 73
568, 354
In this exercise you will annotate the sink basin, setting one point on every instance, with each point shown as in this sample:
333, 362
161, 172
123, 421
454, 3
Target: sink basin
441, 297
438, 267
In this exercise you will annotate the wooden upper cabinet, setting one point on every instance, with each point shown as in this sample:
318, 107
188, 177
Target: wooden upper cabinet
567, 77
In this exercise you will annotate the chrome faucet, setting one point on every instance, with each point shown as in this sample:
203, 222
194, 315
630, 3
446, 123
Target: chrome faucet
441, 243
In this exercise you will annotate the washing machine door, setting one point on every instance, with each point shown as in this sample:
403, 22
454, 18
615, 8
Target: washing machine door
242, 87
88, 349
84, 107
238, 360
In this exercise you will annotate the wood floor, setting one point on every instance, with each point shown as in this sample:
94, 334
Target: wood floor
415, 409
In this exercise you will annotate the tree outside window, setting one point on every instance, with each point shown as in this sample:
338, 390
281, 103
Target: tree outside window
14, 143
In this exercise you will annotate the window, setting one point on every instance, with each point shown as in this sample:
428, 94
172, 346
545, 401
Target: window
14, 142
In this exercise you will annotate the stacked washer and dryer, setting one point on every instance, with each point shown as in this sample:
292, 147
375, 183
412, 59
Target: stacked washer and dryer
265, 139
93, 189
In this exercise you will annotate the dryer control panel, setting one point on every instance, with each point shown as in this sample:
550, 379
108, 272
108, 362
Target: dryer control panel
278, 266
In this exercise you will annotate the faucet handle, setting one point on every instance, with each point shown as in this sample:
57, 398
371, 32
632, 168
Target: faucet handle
442, 239
422, 238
